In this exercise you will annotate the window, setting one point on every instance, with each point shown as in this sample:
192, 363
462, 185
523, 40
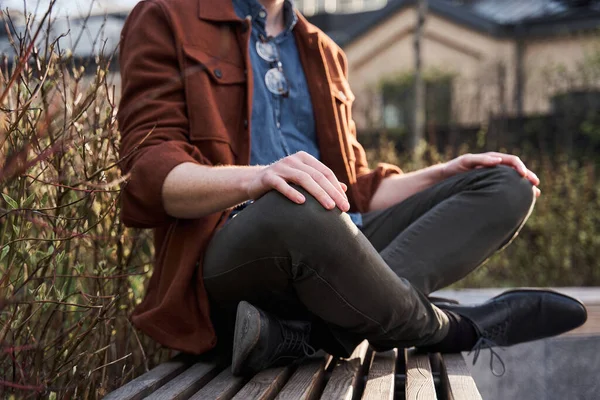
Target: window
398, 101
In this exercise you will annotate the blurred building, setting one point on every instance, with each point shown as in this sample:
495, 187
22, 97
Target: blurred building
483, 57
501, 56
79, 39
83, 37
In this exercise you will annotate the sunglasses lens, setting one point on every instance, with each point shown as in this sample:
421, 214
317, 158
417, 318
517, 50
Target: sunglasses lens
266, 50
276, 82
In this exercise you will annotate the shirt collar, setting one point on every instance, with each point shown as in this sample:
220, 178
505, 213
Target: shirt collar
253, 8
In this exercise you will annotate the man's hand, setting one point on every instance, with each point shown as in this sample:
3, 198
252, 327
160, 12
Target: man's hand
306, 171
467, 162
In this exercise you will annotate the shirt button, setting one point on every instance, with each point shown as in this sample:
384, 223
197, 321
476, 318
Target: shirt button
278, 124
218, 73
262, 14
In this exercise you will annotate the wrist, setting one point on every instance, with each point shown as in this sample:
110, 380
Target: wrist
247, 181
442, 171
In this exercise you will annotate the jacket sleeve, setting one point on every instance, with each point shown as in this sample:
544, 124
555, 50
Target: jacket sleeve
152, 115
367, 180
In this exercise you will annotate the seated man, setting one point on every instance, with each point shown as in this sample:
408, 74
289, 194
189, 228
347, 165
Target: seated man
271, 233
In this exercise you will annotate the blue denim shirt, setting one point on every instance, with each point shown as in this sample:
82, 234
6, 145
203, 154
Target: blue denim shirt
280, 126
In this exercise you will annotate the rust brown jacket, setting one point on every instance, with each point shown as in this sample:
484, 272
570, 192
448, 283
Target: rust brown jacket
186, 97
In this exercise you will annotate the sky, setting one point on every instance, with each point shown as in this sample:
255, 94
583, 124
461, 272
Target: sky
71, 8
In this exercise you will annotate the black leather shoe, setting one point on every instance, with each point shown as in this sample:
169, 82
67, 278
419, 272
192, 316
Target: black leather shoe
518, 316
262, 341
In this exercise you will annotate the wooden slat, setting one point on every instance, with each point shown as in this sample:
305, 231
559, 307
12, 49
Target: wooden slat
151, 380
344, 377
419, 378
457, 379
306, 383
187, 383
380, 381
265, 385
223, 387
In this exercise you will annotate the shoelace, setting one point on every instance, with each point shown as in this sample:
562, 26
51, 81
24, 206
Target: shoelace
485, 343
295, 341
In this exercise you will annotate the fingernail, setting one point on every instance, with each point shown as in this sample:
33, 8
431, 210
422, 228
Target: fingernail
300, 199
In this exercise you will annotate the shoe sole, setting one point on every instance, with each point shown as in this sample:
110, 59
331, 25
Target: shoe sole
246, 335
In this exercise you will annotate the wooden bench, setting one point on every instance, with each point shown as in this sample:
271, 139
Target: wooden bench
396, 374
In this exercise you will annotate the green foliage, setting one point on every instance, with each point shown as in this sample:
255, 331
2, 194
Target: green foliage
70, 272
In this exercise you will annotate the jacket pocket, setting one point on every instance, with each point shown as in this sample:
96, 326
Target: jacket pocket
215, 95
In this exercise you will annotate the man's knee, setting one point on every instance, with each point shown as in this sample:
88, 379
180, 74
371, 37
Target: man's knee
283, 215
514, 192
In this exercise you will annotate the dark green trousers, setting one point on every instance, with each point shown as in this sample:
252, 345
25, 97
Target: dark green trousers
305, 262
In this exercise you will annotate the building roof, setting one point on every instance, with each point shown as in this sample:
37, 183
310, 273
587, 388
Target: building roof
499, 18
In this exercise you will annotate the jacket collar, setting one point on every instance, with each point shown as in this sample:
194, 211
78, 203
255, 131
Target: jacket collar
303, 28
217, 10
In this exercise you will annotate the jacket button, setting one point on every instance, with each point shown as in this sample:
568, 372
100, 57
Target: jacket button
245, 123
218, 73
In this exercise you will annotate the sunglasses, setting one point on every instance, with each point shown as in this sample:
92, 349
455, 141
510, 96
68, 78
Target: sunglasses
275, 79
